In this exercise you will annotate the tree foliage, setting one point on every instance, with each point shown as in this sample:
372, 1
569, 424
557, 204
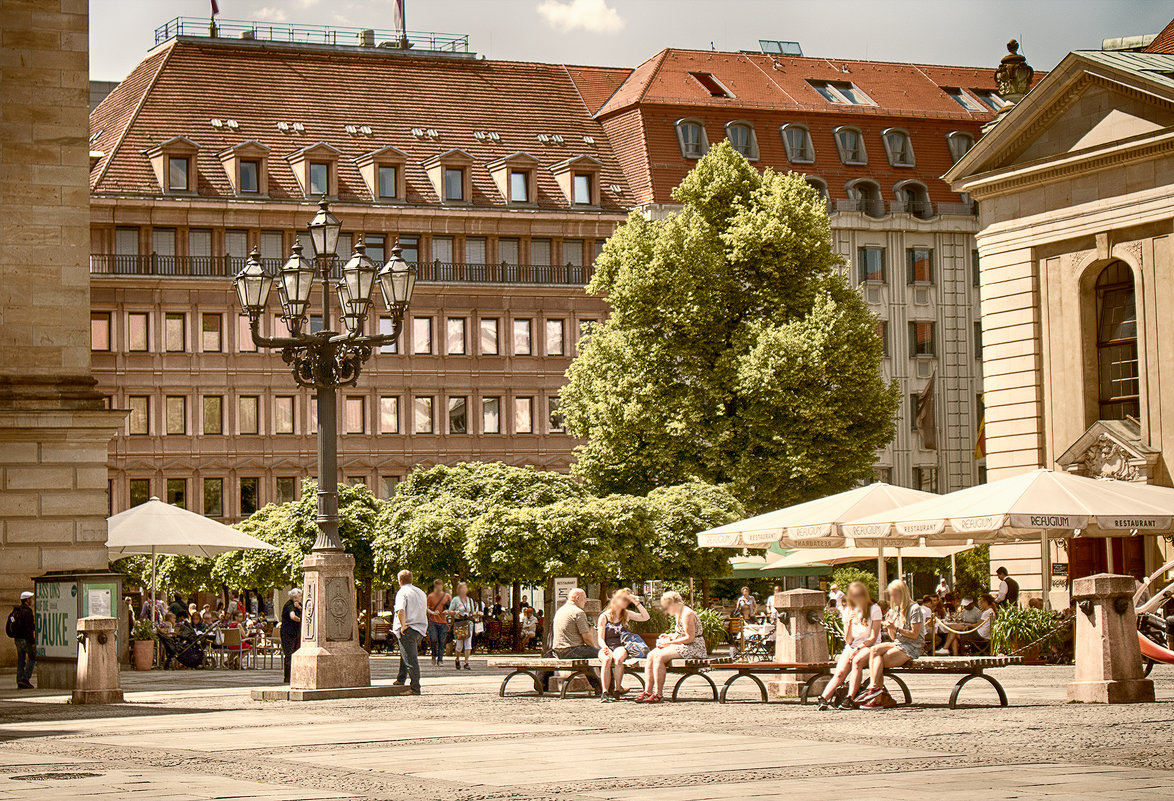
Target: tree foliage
292, 528
734, 352
184, 574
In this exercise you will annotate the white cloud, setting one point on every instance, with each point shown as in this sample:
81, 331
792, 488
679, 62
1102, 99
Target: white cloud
589, 15
270, 14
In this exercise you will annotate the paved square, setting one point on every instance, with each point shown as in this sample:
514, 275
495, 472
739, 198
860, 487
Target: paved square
311, 734
1010, 782
585, 757
148, 785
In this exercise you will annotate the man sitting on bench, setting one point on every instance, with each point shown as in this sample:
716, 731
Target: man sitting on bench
574, 636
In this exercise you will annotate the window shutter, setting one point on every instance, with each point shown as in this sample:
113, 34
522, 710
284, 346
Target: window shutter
909, 266
912, 339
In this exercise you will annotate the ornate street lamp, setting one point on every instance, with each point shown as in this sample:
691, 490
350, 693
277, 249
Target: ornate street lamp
325, 360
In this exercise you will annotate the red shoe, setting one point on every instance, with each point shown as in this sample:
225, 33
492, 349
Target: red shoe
643, 697
655, 699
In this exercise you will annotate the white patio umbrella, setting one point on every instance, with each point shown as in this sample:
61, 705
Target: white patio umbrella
1026, 507
157, 528
814, 524
803, 557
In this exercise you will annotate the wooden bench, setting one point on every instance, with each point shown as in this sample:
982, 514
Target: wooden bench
535, 668
968, 667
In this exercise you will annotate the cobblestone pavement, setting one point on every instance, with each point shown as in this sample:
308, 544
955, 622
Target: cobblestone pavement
196, 735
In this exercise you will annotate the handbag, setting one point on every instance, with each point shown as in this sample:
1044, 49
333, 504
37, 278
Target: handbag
461, 631
634, 644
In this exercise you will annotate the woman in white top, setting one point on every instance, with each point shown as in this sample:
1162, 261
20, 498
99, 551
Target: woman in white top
862, 627
904, 624
462, 614
980, 633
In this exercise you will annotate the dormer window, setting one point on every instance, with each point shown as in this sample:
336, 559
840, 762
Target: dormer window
914, 199
691, 137
960, 143
449, 174
841, 93
742, 139
819, 186
711, 84
316, 169
383, 173
246, 166
319, 178
515, 178
898, 147
578, 178
174, 163
865, 196
797, 143
850, 143
250, 176
454, 183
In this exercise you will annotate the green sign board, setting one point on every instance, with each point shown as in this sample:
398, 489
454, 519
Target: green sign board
56, 613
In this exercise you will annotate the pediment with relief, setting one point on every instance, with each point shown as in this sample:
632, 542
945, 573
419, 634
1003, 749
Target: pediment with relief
1111, 449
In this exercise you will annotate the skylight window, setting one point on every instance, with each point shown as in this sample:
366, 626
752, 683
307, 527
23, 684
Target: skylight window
711, 84
990, 97
841, 93
963, 99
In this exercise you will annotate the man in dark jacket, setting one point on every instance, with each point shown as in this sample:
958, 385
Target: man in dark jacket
291, 629
22, 627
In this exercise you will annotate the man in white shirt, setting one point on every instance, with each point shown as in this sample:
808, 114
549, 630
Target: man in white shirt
411, 626
836, 597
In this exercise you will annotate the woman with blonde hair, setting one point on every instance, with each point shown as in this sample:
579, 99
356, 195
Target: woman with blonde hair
686, 642
904, 626
617, 644
862, 628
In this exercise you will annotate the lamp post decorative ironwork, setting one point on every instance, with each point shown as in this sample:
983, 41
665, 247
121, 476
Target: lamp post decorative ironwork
324, 361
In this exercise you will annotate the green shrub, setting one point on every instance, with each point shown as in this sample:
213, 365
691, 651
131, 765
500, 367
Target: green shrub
713, 626
843, 576
1017, 626
143, 629
657, 623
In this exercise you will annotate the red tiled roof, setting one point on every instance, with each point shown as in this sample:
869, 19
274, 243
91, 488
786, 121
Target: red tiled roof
597, 84
769, 92
177, 91
1164, 43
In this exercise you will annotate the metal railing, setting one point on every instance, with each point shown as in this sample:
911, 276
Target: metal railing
873, 208
922, 209
154, 264
310, 34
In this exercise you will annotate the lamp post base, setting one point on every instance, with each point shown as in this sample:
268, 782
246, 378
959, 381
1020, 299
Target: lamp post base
329, 656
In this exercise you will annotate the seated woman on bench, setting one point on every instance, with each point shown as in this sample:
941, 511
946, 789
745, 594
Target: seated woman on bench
862, 627
618, 643
904, 626
686, 642
979, 634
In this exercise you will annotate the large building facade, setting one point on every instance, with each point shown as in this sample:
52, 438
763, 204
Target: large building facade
1077, 249
501, 180
874, 139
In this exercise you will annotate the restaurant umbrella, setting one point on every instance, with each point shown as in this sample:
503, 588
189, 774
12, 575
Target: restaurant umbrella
805, 557
1036, 504
814, 524
157, 528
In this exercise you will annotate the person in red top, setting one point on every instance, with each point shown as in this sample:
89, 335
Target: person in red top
438, 601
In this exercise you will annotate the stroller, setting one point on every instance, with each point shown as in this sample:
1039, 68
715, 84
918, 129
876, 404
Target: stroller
187, 651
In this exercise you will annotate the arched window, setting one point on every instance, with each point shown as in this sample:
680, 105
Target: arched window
742, 139
850, 143
797, 142
1118, 377
865, 196
691, 137
960, 143
898, 147
819, 186
913, 198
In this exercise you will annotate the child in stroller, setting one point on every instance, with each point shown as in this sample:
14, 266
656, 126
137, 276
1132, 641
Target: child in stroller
185, 645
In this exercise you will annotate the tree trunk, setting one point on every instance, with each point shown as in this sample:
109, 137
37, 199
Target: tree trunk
705, 593
516, 593
548, 617
603, 592
367, 620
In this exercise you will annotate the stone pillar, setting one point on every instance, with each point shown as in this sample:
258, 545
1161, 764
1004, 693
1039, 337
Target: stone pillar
330, 656
799, 637
54, 427
1108, 658
97, 662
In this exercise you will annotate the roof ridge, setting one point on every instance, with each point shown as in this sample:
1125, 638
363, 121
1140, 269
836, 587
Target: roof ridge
661, 56
142, 101
579, 94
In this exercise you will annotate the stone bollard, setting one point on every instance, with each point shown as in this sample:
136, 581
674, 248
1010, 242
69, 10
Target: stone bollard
97, 662
799, 637
1108, 658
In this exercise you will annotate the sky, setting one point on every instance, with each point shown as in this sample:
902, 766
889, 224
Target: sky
627, 32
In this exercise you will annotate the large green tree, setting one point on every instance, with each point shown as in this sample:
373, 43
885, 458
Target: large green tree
735, 352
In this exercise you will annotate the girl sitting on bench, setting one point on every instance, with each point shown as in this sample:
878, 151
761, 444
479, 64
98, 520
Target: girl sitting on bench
903, 624
685, 642
862, 627
617, 642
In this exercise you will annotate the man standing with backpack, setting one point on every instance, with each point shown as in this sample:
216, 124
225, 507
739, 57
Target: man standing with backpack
22, 628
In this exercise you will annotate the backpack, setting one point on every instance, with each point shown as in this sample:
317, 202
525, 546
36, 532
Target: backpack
10, 624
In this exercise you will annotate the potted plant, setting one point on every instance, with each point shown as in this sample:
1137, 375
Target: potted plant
143, 636
1016, 627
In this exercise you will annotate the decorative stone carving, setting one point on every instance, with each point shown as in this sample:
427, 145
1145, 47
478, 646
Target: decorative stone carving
1014, 74
309, 613
1107, 459
338, 624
